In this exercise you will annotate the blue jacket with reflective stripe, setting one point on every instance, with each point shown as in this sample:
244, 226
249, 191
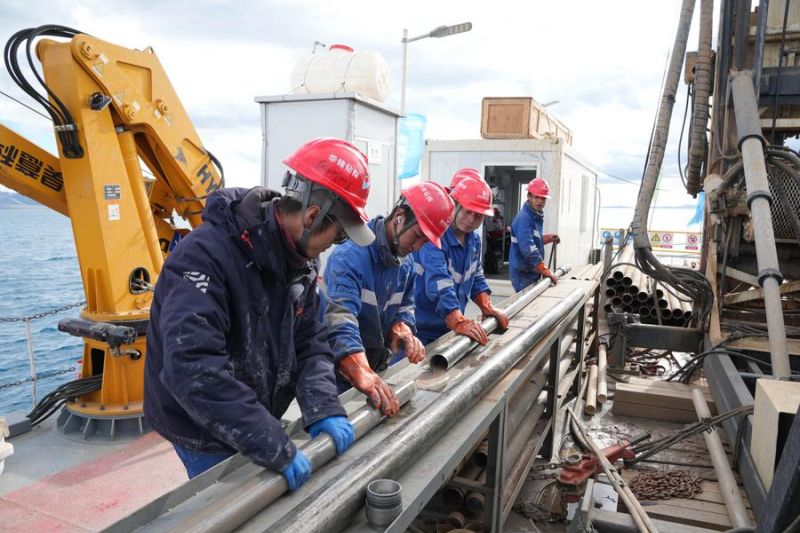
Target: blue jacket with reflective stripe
368, 291
446, 278
527, 247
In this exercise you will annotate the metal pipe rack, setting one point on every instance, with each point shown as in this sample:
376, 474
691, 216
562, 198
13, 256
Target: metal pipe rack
424, 463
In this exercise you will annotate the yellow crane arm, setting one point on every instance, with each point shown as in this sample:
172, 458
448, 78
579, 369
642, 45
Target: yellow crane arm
31, 171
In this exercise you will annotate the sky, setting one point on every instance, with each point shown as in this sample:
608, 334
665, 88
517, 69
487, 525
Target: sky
602, 61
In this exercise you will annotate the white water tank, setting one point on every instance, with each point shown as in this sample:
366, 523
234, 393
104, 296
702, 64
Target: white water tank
342, 70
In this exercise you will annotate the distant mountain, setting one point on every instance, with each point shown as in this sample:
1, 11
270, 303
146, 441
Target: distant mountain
10, 200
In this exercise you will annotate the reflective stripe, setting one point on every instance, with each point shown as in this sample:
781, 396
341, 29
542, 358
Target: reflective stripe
533, 248
368, 297
471, 270
514, 239
443, 284
395, 299
453, 274
419, 269
408, 309
337, 314
537, 234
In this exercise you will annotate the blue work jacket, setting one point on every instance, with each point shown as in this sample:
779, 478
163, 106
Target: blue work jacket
368, 291
234, 336
446, 279
527, 247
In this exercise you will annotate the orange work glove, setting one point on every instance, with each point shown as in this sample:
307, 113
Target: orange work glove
461, 324
355, 369
544, 271
402, 337
551, 237
484, 303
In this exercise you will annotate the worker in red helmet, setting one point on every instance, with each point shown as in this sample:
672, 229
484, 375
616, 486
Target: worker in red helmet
526, 257
234, 337
462, 174
450, 275
370, 293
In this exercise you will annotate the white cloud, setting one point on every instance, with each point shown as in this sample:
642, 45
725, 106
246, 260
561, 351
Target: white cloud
602, 61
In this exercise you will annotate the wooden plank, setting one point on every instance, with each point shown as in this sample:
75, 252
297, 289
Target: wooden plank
653, 412
714, 332
635, 380
657, 396
756, 294
692, 517
763, 345
712, 493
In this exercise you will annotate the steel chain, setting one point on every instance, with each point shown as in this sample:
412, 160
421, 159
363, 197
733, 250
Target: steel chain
658, 485
42, 375
40, 315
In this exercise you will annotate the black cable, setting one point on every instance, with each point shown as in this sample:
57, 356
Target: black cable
680, 137
48, 405
219, 168
64, 124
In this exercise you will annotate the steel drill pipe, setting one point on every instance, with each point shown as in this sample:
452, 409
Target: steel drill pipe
727, 482
454, 351
246, 500
522, 433
476, 501
591, 392
331, 507
602, 365
751, 144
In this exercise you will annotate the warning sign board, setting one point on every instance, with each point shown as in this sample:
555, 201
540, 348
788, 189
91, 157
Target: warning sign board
669, 243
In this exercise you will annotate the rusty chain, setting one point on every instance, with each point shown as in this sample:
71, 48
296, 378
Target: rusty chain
657, 485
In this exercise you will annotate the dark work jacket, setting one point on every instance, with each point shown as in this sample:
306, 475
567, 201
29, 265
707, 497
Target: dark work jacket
233, 335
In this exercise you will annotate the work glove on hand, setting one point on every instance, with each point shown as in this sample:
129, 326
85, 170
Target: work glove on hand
339, 428
484, 302
471, 328
402, 337
355, 369
551, 237
544, 271
298, 471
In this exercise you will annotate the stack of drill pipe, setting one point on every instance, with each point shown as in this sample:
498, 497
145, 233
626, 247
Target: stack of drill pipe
591, 391
454, 497
629, 290
476, 501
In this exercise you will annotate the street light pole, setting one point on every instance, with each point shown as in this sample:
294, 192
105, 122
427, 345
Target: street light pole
437, 32
405, 72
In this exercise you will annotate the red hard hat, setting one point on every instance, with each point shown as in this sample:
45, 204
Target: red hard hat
539, 187
463, 174
432, 207
474, 195
336, 165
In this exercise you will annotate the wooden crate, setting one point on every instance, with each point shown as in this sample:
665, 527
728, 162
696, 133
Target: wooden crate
658, 400
776, 403
520, 118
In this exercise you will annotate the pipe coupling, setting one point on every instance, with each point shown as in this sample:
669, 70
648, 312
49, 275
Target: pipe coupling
769, 273
759, 194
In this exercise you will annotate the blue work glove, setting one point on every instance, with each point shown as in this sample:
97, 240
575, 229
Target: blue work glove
298, 471
339, 428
